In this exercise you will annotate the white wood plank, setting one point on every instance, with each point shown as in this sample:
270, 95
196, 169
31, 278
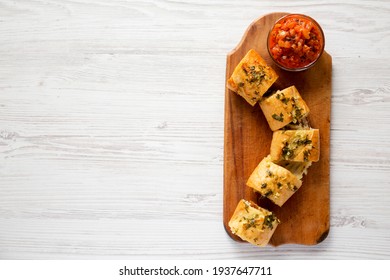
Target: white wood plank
111, 126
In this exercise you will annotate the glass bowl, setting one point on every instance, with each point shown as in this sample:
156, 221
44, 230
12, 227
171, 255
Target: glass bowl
295, 42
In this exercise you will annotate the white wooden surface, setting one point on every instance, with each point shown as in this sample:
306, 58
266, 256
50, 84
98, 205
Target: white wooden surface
111, 128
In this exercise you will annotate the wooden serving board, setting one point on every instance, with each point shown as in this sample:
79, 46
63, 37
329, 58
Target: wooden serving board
305, 216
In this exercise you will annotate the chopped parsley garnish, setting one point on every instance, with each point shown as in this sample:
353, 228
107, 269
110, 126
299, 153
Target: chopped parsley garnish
296, 113
268, 221
306, 155
255, 76
278, 118
269, 173
246, 207
287, 153
251, 222
303, 142
268, 193
285, 100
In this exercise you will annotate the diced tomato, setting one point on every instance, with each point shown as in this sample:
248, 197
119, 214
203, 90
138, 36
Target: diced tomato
296, 41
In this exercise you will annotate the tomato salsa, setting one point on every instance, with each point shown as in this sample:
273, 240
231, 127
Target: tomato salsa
295, 42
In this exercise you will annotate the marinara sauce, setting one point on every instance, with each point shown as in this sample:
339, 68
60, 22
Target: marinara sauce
296, 42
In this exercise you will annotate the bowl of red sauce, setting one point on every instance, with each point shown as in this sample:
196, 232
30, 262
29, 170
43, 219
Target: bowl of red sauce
295, 42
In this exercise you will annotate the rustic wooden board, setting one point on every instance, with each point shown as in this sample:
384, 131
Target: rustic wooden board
305, 216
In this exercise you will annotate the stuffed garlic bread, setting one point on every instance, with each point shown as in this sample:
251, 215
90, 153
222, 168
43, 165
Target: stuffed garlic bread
252, 77
253, 223
274, 181
284, 107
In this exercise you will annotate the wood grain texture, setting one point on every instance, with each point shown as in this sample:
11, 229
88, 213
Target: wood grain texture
112, 121
305, 216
